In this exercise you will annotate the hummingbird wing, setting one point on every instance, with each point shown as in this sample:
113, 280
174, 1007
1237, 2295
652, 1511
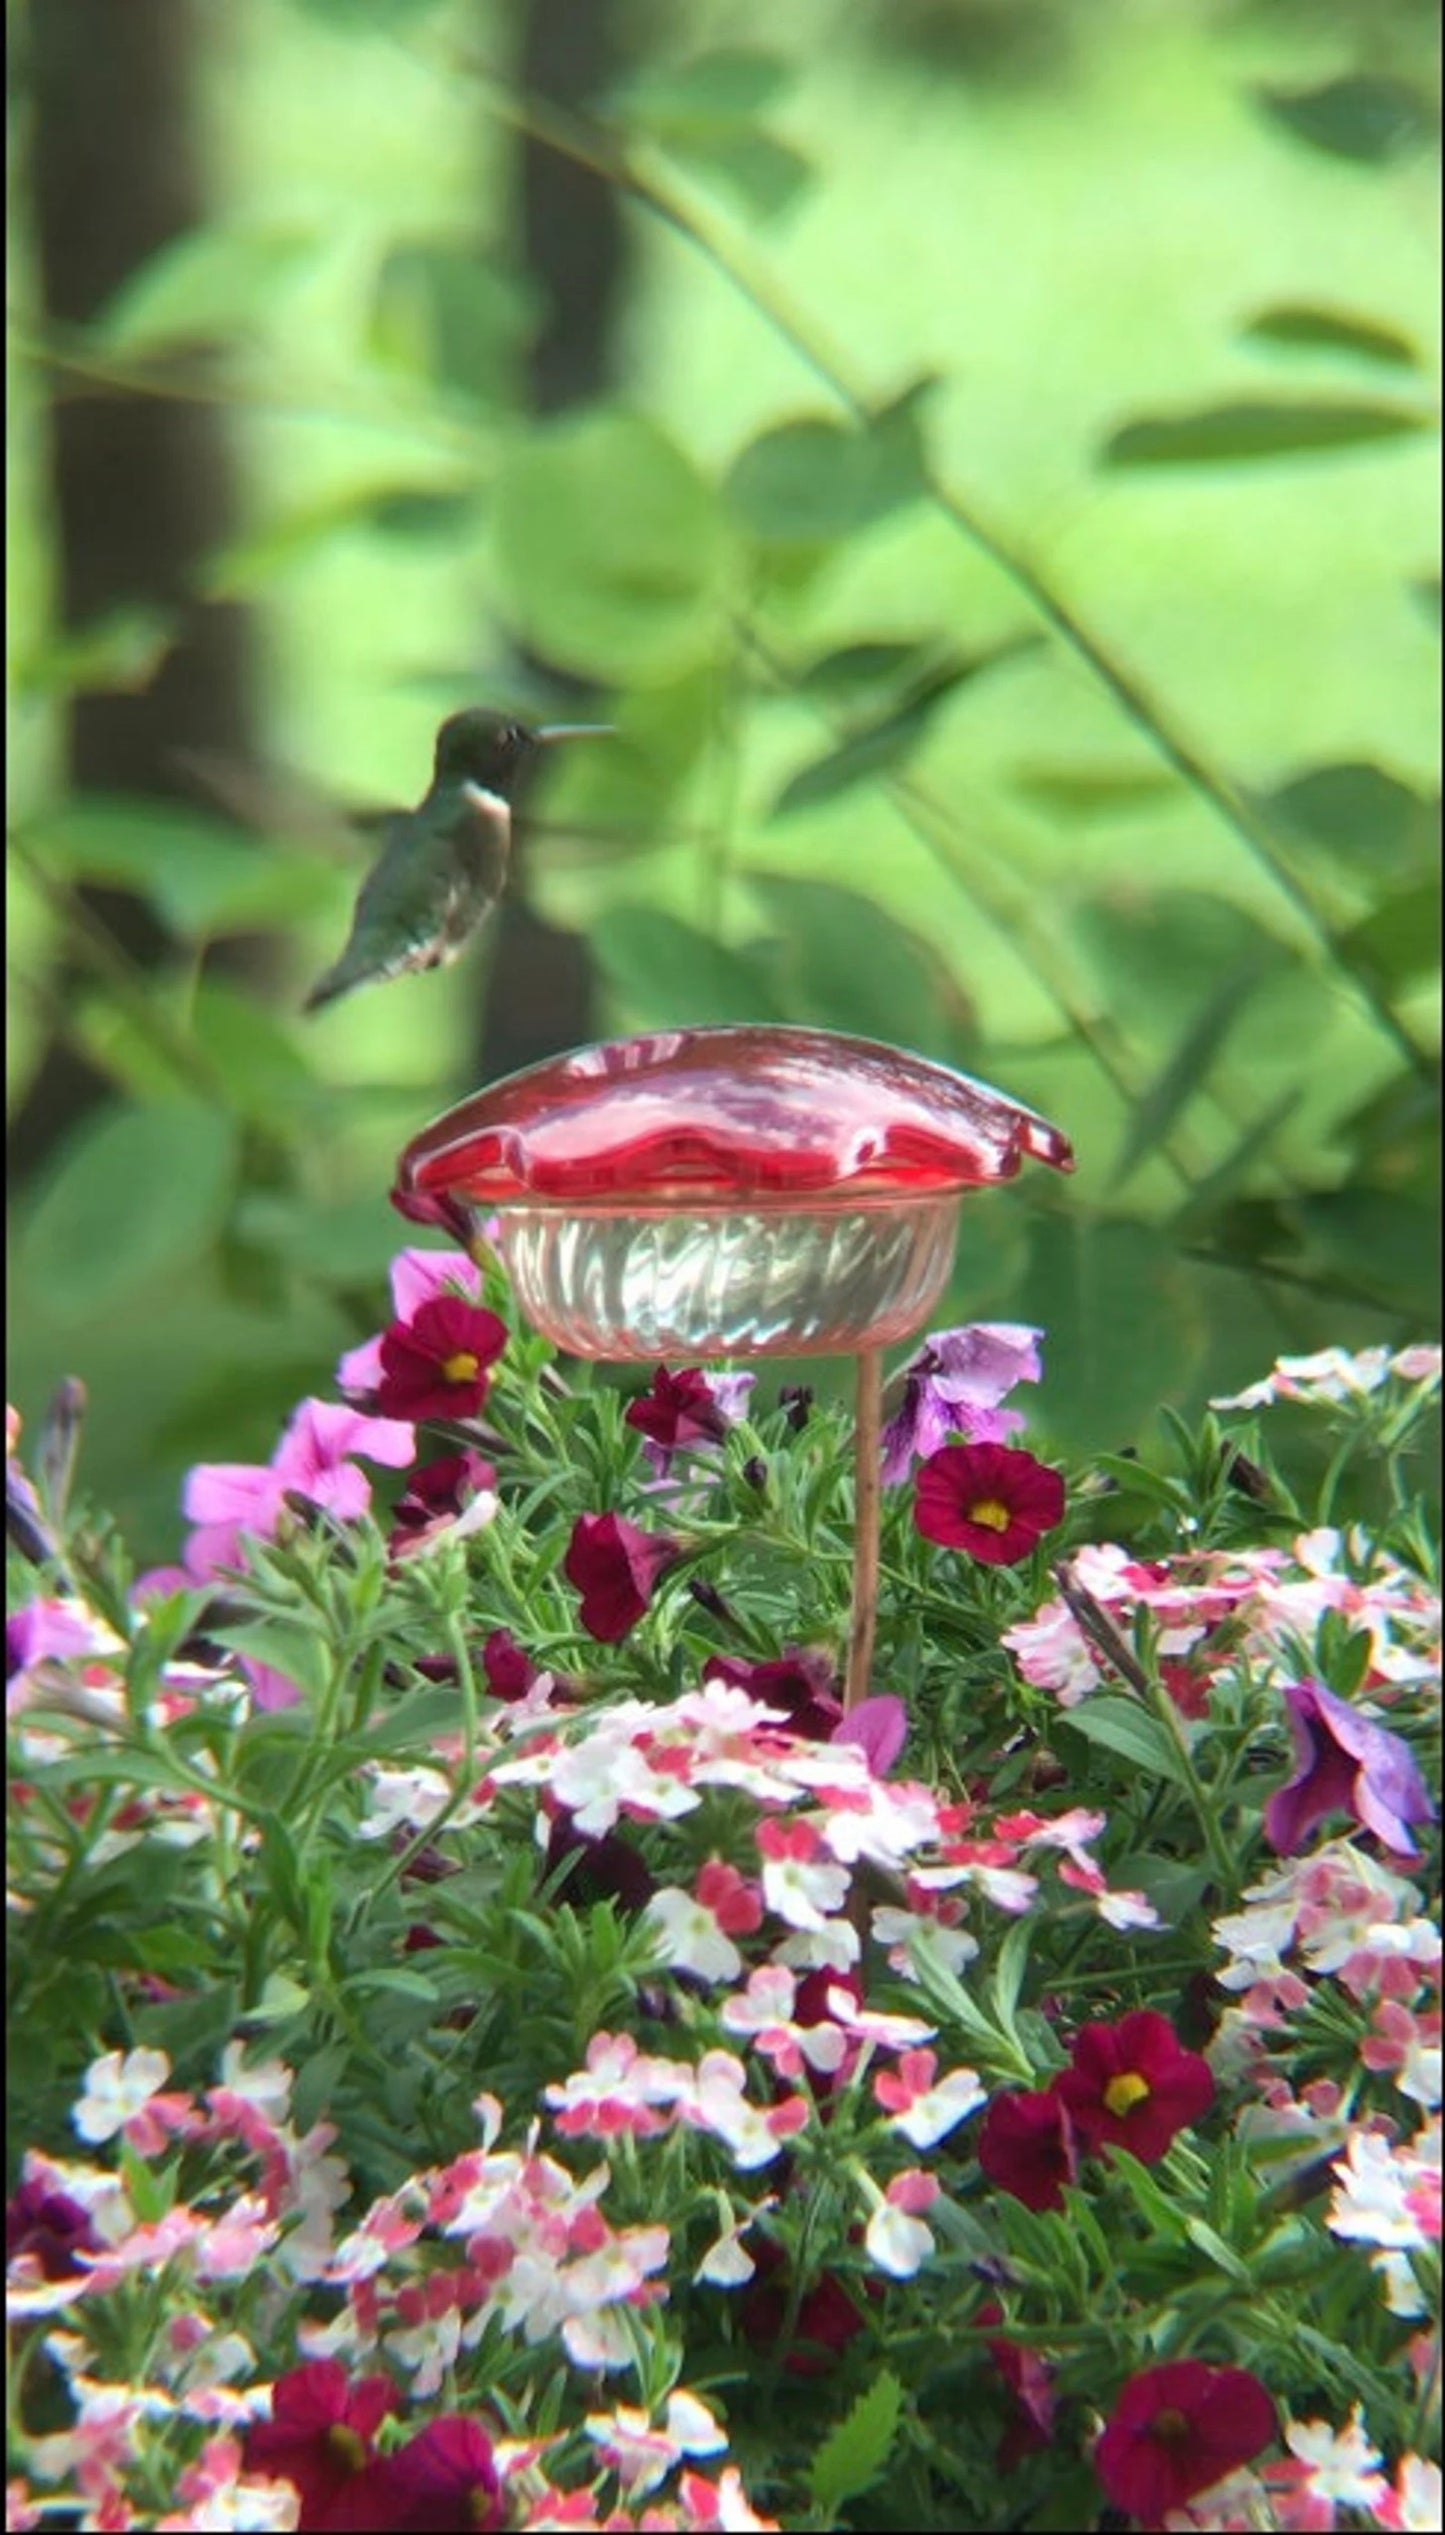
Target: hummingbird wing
440, 875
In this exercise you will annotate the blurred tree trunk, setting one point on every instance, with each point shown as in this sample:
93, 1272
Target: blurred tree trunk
141, 487
539, 994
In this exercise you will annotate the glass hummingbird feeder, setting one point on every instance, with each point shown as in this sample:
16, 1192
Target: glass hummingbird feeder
744, 1191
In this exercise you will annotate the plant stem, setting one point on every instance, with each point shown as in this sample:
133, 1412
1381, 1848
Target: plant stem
867, 1493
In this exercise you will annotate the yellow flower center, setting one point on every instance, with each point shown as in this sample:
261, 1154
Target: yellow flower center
1125, 2091
459, 1368
342, 2443
1170, 2424
993, 1516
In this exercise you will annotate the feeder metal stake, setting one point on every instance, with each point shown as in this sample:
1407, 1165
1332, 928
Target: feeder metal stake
867, 1494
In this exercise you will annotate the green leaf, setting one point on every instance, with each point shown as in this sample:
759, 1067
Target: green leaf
861, 668
1128, 1323
843, 963
808, 482
445, 310
1173, 1089
1400, 941
201, 876
766, 174
1362, 116
883, 746
134, 1194
855, 2452
1368, 819
1239, 434
1150, 2198
1295, 326
665, 972
610, 549
299, 1654
116, 654
728, 86
1009, 1971
1212, 2245
1426, 595
205, 286
1223, 1183
1155, 953
1095, 792
1127, 1727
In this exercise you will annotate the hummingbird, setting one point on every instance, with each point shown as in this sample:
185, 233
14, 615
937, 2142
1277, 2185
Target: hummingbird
444, 864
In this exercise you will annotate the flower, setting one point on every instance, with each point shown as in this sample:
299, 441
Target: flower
987, 1499
435, 1364
454, 1495
1175, 2430
615, 1568
896, 2237
1344, 1763
954, 1385
1333, 1375
444, 2479
925, 2113
1342, 2468
690, 1407
227, 1499
44, 2222
800, 1682
1026, 2146
1133, 2085
319, 2436
417, 1277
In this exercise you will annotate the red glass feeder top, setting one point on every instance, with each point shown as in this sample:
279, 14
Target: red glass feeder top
710, 1117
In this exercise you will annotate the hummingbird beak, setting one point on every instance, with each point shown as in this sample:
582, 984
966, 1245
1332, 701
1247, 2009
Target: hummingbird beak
575, 730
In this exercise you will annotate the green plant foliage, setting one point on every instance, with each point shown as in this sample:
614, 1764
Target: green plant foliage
88, 1243
1362, 116
1240, 434
1296, 327
853, 2455
206, 287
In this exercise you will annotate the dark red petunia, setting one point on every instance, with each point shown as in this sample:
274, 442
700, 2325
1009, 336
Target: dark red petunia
437, 1490
50, 2226
1177, 2430
988, 1499
435, 1364
615, 1568
1030, 2380
442, 2482
827, 2318
509, 1668
802, 1684
1133, 2084
1026, 2146
319, 2436
609, 1869
678, 1409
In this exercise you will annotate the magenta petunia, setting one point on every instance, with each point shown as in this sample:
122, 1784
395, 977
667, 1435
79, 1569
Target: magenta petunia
314, 1459
319, 2437
435, 1364
800, 1682
1345, 1763
879, 1727
615, 1568
509, 1668
1133, 2084
46, 2223
436, 1497
1027, 2147
1177, 2430
417, 1277
691, 1407
989, 1500
442, 2482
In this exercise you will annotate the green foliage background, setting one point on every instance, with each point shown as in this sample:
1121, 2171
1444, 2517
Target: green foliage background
1011, 563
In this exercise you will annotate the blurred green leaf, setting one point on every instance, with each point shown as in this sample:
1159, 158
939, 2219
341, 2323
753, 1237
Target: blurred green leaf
862, 668
448, 311
118, 654
610, 549
846, 964
731, 85
1295, 326
206, 286
665, 972
766, 174
883, 746
1096, 792
202, 877
1240, 433
813, 480
1367, 818
1395, 1134
1187, 1069
1127, 1323
1128, 1727
1400, 940
1384, 1241
135, 1193
1155, 953
251, 563
1426, 594
263, 1069
1362, 116
1224, 1182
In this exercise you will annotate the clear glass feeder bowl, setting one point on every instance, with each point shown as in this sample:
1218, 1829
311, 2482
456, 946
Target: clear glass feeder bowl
755, 1281
738, 1192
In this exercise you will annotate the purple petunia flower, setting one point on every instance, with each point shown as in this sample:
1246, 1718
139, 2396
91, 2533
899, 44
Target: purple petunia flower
953, 1386
1344, 1763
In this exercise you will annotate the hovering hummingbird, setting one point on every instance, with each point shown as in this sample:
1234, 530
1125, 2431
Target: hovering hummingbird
444, 864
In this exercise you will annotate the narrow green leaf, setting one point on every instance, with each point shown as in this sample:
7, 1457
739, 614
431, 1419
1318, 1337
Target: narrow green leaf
854, 2454
1239, 434
883, 746
1009, 1971
728, 86
1362, 116
1400, 940
204, 286
1212, 2245
1297, 327
766, 174
1095, 792
1149, 2197
298, 1654
813, 480
1369, 819
116, 654
664, 971
845, 964
1175, 1087
1222, 1184
1124, 1726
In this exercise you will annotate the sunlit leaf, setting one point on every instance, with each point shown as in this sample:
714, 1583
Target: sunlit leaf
206, 286
609, 549
728, 86
1128, 1322
252, 563
846, 964
763, 172
446, 310
1400, 940
816, 479
1295, 326
1156, 950
862, 668
1241, 433
201, 876
666, 972
1363, 815
118, 654
1126, 1726
1095, 792
1363, 116
133, 1194
856, 2450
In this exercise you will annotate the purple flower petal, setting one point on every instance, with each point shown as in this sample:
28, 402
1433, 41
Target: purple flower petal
880, 1729
1345, 1763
